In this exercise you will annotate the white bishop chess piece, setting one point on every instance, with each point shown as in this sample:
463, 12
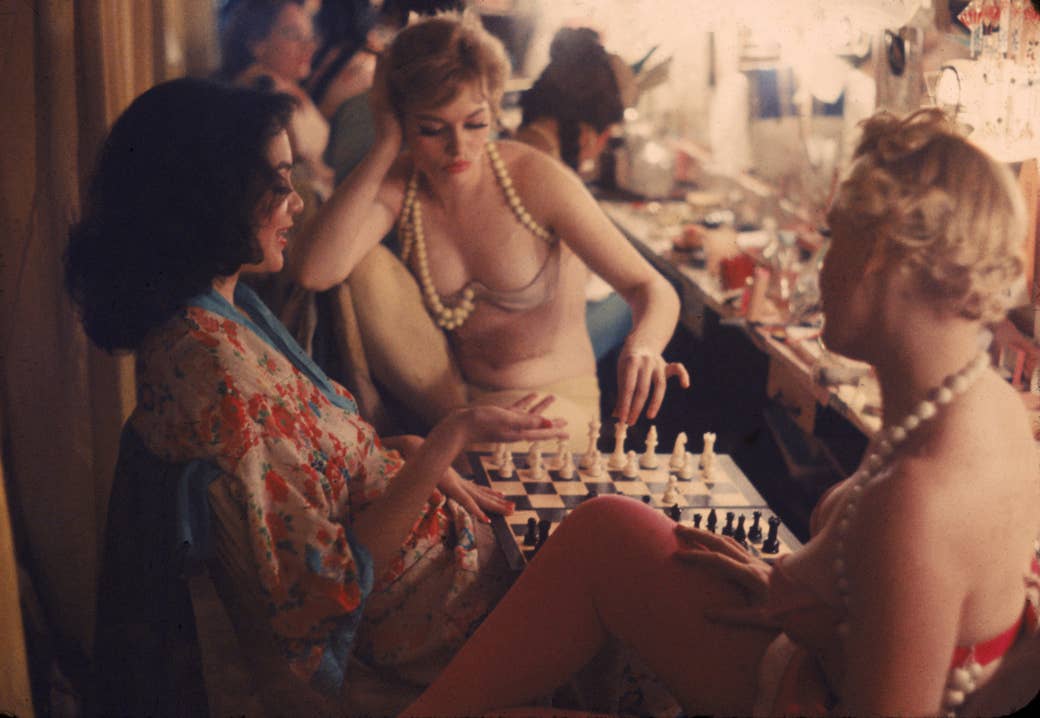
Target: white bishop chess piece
649, 458
589, 457
617, 459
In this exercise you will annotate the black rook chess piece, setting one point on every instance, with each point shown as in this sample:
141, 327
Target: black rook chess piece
696, 521
727, 530
543, 531
531, 538
772, 543
755, 533
675, 512
740, 535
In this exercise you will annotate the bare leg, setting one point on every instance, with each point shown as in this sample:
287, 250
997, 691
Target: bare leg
608, 570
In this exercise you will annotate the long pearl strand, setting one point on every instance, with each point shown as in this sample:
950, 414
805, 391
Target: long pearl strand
410, 227
962, 680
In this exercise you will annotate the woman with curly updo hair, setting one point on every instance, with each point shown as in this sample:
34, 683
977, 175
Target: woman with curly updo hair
917, 592
353, 565
497, 234
570, 108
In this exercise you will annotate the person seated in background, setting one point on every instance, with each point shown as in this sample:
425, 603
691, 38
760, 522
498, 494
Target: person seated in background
499, 235
361, 549
921, 574
578, 98
269, 44
569, 113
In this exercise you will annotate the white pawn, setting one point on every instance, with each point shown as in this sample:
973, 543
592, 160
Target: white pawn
686, 472
596, 469
678, 460
631, 469
561, 449
588, 457
649, 458
567, 465
617, 459
501, 454
534, 461
506, 469
671, 492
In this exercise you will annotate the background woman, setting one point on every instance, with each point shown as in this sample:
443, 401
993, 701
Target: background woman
498, 234
921, 572
269, 44
347, 550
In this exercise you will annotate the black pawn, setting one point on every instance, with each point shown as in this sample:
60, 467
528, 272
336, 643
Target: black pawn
727, 530
740, 535
696, 521
772, 543
543, 531
531, 538
675, 512
713, 520
646, 498
754, 534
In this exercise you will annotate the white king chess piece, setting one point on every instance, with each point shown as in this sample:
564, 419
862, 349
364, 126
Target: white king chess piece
708, 456
589, 457
649, 458
678, 452
617, 459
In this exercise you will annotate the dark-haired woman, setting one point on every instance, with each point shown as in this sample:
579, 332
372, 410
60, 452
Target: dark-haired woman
348, 550
270, 44
569, 110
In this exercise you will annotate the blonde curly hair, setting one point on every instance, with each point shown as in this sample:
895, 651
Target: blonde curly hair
430, 60
939, 206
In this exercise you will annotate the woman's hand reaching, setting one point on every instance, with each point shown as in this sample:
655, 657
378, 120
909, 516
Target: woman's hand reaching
477, 500
731, 561
643, 374
522, 421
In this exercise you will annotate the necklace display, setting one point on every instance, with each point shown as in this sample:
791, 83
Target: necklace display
962, 680
410, 228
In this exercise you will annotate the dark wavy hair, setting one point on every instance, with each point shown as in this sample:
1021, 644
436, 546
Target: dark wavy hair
578, 85
174, 202
247, 22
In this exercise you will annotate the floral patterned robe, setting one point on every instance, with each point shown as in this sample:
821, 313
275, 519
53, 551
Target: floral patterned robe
301, 462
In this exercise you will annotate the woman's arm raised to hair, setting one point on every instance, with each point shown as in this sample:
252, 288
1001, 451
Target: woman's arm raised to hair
361, 210
553, 192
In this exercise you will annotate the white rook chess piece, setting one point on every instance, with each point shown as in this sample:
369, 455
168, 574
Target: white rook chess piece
589, 456
649, 458
566, 465
678, 459
631, 469
617, 459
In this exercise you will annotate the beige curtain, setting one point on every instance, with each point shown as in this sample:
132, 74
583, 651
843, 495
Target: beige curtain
70, 67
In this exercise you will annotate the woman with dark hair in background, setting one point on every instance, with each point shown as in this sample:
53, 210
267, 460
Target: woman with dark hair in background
336, 547
571, 107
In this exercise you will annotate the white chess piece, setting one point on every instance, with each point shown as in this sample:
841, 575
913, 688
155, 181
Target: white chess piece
649, 458
708, 455
687, 469
631, 469
534, 461
588, 457
566, 465
617, 459
596, 469
678, 459
671, 492
561, 449
506, 469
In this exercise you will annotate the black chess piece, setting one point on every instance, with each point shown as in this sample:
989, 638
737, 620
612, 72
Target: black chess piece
772, 543
675, 512
646, 499
740, 534
531, 538
727, 530
696, 521
543, 531
755, 532
713, 520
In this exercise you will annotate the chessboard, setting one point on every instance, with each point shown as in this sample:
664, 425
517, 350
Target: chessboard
725, 502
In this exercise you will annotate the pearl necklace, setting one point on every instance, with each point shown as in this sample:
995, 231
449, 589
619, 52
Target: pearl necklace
410, 227
962, 680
